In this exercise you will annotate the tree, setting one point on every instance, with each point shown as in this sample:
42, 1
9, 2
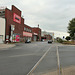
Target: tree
68, 38
71, 28
59, 40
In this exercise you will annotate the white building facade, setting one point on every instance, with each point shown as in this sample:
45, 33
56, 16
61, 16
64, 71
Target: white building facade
2, 30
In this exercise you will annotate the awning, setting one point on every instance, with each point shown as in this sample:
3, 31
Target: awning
35, 33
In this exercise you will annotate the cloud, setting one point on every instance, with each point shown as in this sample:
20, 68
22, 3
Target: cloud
59, 34
49, 14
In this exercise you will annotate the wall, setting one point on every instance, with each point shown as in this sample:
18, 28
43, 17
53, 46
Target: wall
9, 15
38, 31
2, 28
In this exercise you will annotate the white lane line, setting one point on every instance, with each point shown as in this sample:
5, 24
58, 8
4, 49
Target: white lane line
58, 62
25, 55
30, 72
21, 55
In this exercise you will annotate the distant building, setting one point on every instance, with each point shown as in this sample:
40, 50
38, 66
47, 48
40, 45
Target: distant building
27, 33
47, 35
36, 31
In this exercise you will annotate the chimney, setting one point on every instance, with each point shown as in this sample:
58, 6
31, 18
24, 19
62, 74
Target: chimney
38, 25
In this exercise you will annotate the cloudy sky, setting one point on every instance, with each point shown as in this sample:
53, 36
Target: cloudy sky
51, 15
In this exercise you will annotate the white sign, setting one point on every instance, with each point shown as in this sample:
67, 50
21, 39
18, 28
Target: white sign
12, 27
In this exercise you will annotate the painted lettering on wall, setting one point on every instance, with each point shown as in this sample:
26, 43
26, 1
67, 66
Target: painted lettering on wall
27, 34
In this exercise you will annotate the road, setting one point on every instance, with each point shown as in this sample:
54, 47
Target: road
67, 59
20, 59
36, 58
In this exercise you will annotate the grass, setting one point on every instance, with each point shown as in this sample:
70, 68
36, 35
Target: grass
69, 42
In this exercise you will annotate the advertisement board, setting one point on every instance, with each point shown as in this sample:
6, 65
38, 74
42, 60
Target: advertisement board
17, 38
27, 34
16, 18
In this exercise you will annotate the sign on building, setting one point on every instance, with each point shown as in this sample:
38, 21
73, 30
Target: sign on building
16, 18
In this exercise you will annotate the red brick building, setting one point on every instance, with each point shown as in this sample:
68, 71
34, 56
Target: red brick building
36, 31
14, 19
47, 35
15, 29
27, 33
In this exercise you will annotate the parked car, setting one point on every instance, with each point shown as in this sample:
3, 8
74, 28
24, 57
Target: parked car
42, 40
28, 41
50, 41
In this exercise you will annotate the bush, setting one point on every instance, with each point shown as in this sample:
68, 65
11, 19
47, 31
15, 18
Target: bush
68, 38
60, 40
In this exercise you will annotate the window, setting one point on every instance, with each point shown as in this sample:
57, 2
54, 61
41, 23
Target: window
30, 30
25, 28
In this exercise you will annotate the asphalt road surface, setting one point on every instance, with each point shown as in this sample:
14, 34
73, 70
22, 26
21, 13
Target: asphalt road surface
35, 58
67, 56
20, 60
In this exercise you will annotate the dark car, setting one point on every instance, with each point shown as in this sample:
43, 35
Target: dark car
50, 41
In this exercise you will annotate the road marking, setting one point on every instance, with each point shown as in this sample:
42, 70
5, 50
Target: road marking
21, 55
30, 72
58, 62
25, 55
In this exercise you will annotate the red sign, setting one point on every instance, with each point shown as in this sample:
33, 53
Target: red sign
27, 34
17, 38
16, 18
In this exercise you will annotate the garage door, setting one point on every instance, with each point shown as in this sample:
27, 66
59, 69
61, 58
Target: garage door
1, 39
35, 38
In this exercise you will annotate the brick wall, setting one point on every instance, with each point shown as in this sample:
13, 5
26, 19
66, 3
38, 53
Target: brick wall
38, 31
19, 27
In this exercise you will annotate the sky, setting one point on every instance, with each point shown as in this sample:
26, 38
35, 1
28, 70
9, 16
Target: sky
51, 15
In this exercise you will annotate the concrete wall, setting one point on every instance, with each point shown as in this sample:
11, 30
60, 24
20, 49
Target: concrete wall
2, 28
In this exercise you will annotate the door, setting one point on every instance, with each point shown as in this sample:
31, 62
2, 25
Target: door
35, 38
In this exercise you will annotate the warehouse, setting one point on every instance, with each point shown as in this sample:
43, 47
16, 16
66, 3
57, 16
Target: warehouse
13, 29
14, 26
27, 33
36, 31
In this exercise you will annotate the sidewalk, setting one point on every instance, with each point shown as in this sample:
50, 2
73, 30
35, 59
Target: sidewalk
3, 46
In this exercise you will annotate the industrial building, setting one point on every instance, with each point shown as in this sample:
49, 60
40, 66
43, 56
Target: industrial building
13, 29
47, 35
36, 31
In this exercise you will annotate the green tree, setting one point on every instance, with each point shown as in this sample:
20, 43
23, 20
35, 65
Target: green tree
71, 28
68, 38
59, 40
